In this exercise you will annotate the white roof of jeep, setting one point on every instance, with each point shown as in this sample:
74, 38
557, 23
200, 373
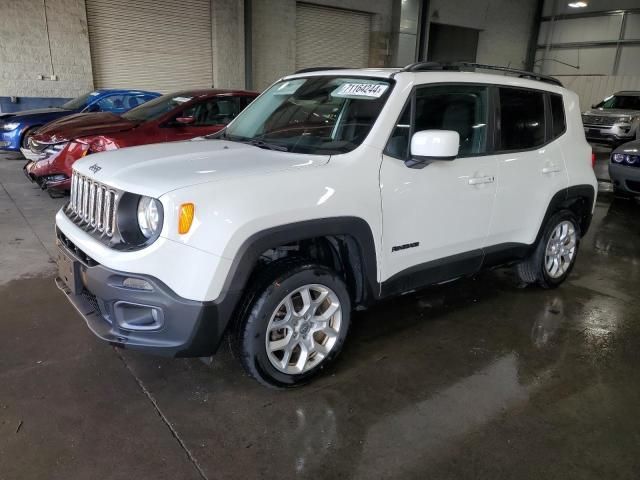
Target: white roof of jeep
435, 76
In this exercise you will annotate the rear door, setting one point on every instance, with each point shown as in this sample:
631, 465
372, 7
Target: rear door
436, 219
531, 167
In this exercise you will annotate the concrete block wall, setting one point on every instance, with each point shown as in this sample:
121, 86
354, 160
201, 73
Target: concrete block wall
274, 34
227, 23
505, 26
24, 50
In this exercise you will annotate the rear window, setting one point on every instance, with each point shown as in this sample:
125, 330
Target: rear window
557, 114
522, 125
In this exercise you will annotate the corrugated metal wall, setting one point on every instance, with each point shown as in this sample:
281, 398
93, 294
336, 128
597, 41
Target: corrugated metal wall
593, 88
160, 45
331, 37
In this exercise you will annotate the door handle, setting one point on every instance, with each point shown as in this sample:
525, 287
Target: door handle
481, 180
552, 169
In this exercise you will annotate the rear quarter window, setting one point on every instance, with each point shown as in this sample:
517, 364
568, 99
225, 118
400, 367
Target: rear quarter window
557, 115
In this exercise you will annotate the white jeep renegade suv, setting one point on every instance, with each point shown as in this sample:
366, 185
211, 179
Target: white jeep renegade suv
333, 189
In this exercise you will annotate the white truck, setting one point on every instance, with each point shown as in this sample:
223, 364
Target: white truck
335, 188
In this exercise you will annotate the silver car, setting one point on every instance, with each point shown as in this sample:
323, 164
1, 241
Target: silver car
615, 120
624, 169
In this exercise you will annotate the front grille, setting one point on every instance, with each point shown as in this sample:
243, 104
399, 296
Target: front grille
92, 205
598, 120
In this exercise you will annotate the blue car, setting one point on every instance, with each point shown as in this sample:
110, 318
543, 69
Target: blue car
15, 128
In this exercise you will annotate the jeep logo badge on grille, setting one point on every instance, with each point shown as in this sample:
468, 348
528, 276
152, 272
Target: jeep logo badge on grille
95, 168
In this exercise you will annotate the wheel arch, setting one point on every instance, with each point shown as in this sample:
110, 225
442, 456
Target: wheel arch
579, 199
350, 238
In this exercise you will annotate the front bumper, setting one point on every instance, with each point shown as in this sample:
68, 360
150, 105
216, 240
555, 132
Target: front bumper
10, 140
122, 316
42, 173
625, 178
612, 135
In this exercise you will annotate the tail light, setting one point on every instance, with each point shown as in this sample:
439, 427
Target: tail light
593, 159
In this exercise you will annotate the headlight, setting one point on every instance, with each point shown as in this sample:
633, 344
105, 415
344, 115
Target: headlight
10, 126
618, 157
623, 120
149, 216
56, 147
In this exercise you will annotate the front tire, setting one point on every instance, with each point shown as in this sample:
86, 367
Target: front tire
294, 323
24, 141
555, 253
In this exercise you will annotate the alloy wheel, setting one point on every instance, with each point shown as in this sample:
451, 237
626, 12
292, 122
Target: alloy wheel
303, 329
561, 249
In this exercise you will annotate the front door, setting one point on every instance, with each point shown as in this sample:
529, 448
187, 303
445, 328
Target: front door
436, 219
206, 117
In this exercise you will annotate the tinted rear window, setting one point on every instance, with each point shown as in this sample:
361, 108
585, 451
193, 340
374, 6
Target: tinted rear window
522, 125
557, 114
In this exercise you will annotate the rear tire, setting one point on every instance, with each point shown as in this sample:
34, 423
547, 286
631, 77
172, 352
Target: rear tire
293, 323
555, 253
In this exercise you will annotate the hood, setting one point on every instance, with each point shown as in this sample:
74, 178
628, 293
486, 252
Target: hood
157, 169
36, 116
611, 112
82, 125
630, 148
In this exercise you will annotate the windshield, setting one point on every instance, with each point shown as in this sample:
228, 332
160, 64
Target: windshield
80, 102
156, 107
623, 102
317, 115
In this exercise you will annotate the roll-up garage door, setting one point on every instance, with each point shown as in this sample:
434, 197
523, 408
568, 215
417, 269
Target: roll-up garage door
159, 45
331, 37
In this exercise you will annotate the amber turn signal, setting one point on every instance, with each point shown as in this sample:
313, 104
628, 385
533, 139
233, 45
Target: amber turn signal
185, 217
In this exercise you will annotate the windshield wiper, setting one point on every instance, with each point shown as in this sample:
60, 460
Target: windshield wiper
268, 146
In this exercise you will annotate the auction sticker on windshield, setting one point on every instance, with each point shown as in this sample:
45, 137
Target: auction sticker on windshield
366, 90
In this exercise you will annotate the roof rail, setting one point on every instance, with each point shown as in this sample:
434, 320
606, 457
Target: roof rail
521, 73
459, 66
317, 69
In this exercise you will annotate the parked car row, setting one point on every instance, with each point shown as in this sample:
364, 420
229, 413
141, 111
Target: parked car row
17, 128
110, 119
615, 122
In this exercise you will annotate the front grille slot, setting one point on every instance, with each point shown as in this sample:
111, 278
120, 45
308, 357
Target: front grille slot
92, 204
598, 120
80, 255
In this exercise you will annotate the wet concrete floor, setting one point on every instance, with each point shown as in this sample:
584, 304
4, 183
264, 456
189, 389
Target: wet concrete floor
474, 379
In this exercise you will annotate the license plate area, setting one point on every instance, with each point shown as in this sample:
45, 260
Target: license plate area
69, 271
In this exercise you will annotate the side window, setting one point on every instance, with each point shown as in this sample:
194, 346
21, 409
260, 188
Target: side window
132, 101
462, 108
398, 144
244, 101
112, 103
557, 114
218, 111
522, 124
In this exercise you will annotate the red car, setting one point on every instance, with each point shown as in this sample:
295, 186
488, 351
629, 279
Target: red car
178, 116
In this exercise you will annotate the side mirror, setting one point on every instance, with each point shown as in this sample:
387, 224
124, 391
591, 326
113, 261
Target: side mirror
185, 120
433, 145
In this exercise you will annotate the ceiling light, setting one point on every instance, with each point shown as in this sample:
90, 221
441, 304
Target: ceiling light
578, 4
